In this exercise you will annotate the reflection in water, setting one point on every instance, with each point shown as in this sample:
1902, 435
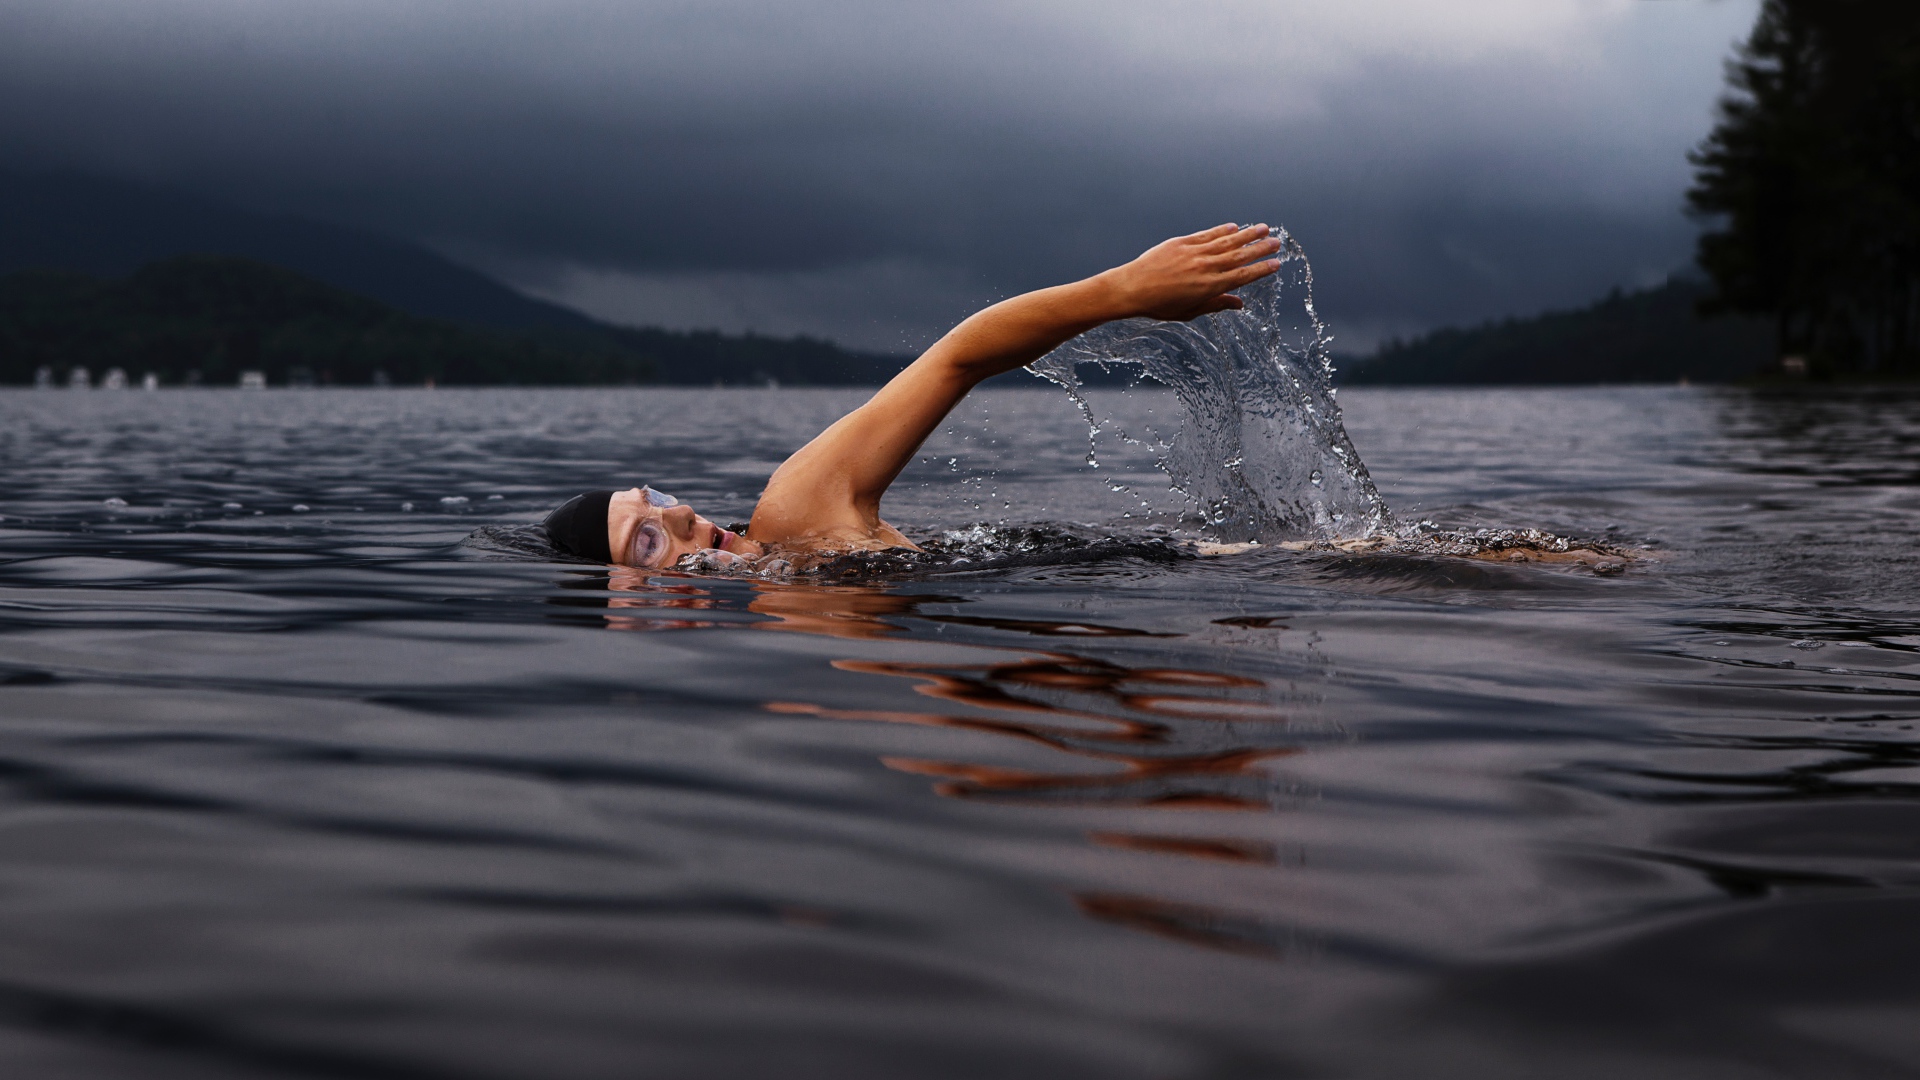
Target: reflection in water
840, 611
1241, 851
1837, 436
634, 593
1139, 737
1126, 721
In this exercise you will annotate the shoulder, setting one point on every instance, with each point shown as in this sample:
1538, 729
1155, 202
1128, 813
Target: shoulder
840, 540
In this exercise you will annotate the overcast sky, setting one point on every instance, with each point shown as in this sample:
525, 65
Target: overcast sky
870, 171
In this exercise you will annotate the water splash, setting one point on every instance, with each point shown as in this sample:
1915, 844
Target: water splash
1261, 453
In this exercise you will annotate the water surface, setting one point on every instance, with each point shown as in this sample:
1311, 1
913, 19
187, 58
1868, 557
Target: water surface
297, 781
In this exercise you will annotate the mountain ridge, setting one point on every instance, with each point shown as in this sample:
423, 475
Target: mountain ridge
112, 228
1647, 335
206, 319
106, 231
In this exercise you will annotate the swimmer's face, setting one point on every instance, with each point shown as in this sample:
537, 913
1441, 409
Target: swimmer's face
648, 529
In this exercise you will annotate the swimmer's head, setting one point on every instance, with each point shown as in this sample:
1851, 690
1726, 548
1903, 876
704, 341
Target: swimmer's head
579, 526
638, 527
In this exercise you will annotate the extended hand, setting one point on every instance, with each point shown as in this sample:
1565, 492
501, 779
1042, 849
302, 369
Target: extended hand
1189, 276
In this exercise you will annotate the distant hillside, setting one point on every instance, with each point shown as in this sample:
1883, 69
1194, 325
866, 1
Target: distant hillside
207, 318
1648, 336
109, 228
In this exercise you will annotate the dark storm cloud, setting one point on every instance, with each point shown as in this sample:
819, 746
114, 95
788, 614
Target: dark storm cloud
811, 163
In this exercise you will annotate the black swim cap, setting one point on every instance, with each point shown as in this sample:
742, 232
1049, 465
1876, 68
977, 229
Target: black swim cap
579, 527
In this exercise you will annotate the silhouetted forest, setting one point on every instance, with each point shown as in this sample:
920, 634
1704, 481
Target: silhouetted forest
1811, 183
1653, 335
205, 319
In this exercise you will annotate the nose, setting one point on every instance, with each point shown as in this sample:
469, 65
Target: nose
679, 520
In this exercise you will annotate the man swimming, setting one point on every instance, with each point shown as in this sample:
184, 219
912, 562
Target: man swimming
826, 497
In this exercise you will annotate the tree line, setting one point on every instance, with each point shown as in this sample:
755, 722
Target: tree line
1810, 186
1645, 336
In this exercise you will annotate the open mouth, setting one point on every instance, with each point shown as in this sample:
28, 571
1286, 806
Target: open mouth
720, 538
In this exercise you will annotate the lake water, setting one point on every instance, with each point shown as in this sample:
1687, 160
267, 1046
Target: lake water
295, 780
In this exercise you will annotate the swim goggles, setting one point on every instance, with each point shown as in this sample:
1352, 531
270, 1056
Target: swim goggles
650, 545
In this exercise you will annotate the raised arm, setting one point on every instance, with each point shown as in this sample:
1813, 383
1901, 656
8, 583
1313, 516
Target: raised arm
831, 487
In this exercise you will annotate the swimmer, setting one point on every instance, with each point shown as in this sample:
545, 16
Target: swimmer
826, 497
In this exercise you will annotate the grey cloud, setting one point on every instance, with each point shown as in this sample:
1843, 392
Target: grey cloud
793, 166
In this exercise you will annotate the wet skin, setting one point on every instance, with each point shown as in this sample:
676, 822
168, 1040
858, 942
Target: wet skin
683, 531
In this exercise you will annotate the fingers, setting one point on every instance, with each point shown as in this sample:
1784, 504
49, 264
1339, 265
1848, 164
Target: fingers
1252, 272
1215, 233
1240, 256
1234, 279
1202, 270
1228, 240
1234, 244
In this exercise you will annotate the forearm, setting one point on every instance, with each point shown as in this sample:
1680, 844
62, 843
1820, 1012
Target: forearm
1015, 332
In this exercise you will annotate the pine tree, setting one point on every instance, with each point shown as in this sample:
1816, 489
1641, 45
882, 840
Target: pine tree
1812, 175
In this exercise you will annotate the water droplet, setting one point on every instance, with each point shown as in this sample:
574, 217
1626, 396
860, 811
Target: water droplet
1809, 644
452, 500
405, 507
301, 508
1317, 478
230, 506
495, 498
116, 502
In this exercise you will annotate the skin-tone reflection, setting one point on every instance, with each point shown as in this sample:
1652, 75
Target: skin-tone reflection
1119, 728
1120, 719
1122, 731
636, 596
1194, 924
846, 611
1126, 723
849, 612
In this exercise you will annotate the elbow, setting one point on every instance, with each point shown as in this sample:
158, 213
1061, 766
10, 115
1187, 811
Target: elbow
956, 368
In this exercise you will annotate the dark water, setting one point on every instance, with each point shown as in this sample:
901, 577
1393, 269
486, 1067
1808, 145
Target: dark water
329, 792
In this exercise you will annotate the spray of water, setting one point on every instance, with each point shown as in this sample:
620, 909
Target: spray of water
1261, 452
